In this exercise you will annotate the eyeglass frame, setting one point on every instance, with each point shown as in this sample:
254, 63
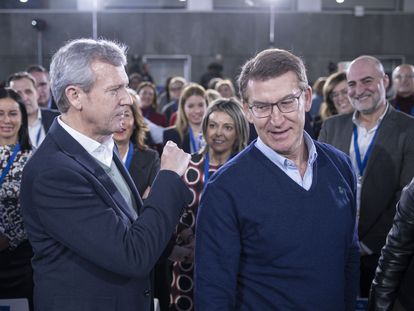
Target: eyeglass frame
401, 77
294, 97
335, 95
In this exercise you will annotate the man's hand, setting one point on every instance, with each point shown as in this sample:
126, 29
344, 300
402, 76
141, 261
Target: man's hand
182, 253
174, 159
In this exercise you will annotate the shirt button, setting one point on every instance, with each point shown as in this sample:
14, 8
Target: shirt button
147, 292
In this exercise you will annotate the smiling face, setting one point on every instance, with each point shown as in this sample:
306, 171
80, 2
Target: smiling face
221, 133
147, 95
123, 136
283, 132
194, 109
367, 85
340, 98
10, 121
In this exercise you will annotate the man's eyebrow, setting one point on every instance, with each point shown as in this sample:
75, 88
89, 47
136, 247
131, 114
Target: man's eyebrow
114, 87
288, 96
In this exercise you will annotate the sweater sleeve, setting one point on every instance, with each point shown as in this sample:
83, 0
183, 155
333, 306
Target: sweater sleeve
217, 251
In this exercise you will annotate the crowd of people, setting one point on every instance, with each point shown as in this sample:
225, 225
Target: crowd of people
272, 195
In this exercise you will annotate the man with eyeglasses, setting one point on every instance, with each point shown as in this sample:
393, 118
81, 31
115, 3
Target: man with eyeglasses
403, 84
380, 142
276, 225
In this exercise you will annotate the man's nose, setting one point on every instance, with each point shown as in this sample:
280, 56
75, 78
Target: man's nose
275, 115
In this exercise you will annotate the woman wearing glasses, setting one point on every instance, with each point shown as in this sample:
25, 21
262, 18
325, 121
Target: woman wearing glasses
335, 95
335, 99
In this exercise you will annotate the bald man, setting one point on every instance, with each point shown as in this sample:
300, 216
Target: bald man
380, 141
403, 83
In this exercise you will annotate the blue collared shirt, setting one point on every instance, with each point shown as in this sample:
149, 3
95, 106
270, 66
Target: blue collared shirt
288, 166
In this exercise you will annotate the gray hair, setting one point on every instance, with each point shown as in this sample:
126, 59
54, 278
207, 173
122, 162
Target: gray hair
71, 65
268, 64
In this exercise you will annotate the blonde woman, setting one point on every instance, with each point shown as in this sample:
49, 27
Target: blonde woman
186, 132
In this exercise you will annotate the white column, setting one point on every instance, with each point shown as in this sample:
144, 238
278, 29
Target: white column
200, 5
309, 5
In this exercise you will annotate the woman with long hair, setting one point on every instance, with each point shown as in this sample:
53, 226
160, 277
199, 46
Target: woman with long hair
142, 162
226, 132
16, 277
186, 132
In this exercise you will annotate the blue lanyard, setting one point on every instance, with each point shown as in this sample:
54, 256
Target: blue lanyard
9, 163
129, 155
206, 167
363, 163
192, 140
411, 111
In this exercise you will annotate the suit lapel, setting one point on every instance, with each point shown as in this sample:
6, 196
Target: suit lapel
346, 134
73, 149
384, 130
128, 180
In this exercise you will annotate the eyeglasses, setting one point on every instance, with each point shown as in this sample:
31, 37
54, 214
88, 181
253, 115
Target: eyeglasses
286, 105
335, 95
403, 76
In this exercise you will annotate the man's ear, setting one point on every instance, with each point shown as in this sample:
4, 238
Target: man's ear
74, 95
308, 98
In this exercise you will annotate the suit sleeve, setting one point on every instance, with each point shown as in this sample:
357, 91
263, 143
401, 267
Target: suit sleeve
76, 212
217, 251
155, 168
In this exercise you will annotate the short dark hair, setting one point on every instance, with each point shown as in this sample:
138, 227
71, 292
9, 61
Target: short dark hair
268, 64
21, 75
23, 134
36, 68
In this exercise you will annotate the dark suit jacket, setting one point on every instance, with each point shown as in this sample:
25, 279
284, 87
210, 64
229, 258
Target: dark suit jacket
48, 115
89, 253
172, 134
145, 165
390, 167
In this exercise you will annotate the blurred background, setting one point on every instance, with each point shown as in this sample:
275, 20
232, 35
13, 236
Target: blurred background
178, 37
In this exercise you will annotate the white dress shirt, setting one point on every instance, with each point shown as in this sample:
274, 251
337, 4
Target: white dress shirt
288, 166
101, 152
36, 131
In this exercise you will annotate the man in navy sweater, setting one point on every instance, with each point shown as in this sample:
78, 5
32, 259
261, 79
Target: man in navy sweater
277, 223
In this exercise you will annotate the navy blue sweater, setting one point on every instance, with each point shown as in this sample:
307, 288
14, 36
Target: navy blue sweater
265, 243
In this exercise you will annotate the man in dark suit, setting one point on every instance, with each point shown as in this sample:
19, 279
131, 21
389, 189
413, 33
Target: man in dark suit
39, 119
380, 141
42, 85
94, 241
